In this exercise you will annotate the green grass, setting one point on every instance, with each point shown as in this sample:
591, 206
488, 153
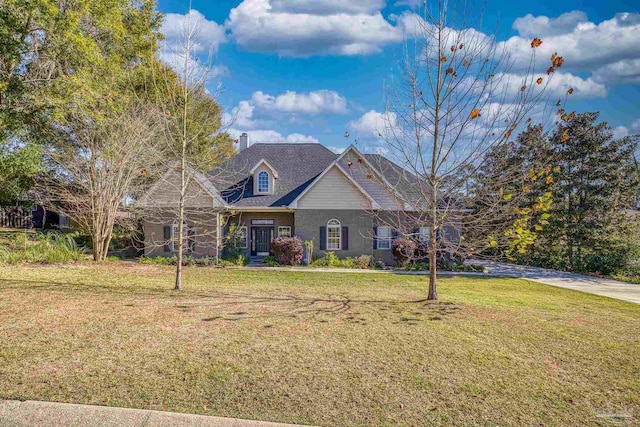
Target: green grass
318, 348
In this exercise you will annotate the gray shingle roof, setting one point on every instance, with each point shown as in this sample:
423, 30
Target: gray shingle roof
297, 166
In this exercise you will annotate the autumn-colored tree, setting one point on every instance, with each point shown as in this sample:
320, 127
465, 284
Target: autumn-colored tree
452, 101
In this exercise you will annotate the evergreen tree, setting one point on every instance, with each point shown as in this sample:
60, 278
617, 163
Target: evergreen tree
594, 187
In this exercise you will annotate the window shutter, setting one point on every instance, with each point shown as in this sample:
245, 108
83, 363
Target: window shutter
323, 238
375, 237
167, 238
345, 238
394, 234
192, 239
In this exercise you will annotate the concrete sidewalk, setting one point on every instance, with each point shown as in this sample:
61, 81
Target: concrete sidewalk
30, 413
578, 282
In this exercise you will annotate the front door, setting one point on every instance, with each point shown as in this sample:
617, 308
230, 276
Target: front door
261, 240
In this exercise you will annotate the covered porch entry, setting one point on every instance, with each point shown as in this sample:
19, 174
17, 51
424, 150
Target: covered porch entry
261, 227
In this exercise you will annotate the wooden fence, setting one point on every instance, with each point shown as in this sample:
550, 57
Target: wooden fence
15, 217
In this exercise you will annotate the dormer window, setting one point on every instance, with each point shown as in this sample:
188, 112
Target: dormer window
263, 182
264, 178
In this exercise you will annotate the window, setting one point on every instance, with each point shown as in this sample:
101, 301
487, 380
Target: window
187, 236
237, 236
384, 237
284, 231
423, 234
263, 182
334, 235
242, 236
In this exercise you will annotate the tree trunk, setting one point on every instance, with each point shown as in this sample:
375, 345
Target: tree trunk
433, 290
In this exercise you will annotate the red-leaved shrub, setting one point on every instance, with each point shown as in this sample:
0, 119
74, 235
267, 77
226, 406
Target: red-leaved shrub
403, 250
287, 250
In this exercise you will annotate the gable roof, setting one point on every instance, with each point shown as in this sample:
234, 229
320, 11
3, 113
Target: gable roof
297, 165
335, 164
264, 162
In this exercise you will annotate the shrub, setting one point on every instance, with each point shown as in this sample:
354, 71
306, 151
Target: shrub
363, 262
331, 260
236, 260
287, 250
160, 260
40, 248
403, 250
271, 261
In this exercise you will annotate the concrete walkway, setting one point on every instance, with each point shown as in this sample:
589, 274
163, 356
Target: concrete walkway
592, 285
43, 414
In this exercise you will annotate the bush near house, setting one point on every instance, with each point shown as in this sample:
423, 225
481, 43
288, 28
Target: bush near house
287, 250
39, 248
404, 250
330, 259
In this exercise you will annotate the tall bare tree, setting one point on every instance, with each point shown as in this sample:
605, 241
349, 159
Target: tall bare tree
193, 142
452, 100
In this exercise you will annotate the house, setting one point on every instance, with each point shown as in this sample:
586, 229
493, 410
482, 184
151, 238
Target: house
268, 190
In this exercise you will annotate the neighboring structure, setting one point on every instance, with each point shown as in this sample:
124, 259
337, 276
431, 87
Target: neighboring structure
304, 190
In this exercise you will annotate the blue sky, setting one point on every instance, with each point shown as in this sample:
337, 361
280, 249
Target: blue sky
309, 70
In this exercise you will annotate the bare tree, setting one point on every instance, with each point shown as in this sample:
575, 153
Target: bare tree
453, 100
97, 167
193, 143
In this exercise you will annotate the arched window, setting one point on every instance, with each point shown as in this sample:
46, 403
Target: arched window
263, 182
334, 235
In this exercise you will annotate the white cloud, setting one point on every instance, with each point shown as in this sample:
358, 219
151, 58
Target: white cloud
264, 136
624, 71
315, 102
305, 28
242, 116
327, 7
530, 26
372, 124
620, 132
265, 110
555, 86
206, 38
584, 45
198, 70
207, 35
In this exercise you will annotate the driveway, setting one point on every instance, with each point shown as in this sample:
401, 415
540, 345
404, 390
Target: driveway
578, 282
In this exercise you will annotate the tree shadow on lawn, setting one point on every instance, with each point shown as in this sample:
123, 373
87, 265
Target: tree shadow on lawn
227, 306
234, 307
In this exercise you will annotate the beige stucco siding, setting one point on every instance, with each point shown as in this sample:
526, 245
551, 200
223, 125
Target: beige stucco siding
334, 191
205, 234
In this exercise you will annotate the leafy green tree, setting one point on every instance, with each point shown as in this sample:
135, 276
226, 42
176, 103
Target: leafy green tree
594, 187
18, 165
51, 50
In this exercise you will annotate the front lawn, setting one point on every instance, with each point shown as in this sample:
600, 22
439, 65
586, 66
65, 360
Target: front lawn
319, 348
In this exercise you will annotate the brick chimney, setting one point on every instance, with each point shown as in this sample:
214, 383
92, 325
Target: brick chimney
244, 141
